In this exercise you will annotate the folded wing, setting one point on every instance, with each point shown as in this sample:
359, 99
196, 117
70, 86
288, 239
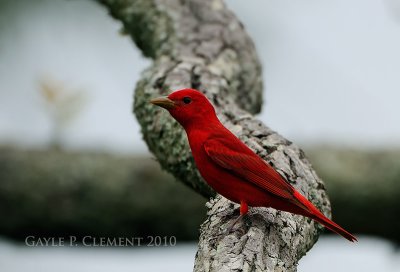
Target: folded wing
238, 158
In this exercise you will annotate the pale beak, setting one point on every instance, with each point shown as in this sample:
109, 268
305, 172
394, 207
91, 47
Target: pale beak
163, 102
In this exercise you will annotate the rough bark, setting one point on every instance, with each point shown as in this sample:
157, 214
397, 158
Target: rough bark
201, 44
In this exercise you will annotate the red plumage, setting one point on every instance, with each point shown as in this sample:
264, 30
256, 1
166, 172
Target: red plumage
230, 167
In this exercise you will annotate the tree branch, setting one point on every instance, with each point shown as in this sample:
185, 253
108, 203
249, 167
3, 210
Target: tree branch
90, 187
201, 44
54, 193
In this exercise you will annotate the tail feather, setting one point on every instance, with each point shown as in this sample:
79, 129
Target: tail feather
318, 216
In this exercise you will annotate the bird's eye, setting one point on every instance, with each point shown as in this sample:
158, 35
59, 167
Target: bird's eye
187, 100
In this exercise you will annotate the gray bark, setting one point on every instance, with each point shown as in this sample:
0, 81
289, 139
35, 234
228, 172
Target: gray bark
201, 44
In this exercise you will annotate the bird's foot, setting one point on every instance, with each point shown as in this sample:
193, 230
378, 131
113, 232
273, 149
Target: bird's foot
230, 229
233, 224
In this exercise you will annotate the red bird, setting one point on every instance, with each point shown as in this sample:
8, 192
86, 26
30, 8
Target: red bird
230, 167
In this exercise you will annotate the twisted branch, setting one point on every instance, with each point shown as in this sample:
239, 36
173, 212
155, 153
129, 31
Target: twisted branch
201, 44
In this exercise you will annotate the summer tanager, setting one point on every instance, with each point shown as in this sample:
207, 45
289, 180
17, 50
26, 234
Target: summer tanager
230, 167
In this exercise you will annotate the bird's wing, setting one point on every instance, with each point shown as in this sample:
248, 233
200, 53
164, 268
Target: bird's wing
239, 159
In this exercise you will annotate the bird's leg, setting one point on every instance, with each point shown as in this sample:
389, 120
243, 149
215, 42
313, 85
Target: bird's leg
243, 211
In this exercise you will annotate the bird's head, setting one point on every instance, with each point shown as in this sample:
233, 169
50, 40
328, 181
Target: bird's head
187, 106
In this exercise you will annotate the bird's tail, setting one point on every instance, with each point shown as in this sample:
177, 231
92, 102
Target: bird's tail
318, 216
